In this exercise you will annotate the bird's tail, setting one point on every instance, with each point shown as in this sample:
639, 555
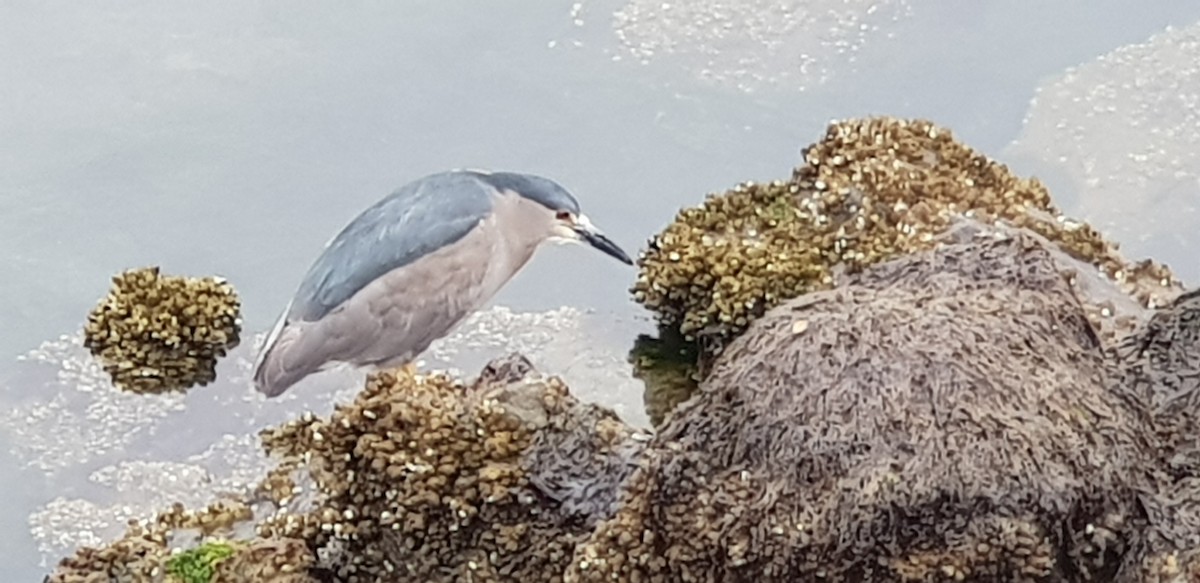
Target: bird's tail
272, 375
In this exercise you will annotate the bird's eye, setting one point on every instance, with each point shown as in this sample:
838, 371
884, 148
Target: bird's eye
564, 216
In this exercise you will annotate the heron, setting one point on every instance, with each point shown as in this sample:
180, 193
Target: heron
408, 269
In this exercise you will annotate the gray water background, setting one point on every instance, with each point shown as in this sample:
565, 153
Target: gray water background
235, 138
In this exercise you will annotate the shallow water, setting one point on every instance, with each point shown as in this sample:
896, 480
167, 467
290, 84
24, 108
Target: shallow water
237, 138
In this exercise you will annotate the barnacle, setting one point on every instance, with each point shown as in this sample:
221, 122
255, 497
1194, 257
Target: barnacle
155, 333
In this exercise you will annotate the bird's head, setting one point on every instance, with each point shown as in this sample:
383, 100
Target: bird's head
575, 227
567, 222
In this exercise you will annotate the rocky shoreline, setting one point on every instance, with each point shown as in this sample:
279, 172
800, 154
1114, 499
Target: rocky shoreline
910, 367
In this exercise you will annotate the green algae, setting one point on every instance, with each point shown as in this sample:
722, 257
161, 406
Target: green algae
199, 565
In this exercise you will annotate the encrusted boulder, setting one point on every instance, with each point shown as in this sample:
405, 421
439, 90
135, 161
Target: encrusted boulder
948, 415
421, 478
155, 333
870, 190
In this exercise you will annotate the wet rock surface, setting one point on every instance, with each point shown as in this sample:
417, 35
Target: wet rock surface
1160, 364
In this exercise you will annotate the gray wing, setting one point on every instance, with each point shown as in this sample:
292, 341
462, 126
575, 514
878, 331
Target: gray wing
418, 218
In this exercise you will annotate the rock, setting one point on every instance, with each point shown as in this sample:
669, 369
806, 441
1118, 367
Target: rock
426, 478
1160, 363
948, 415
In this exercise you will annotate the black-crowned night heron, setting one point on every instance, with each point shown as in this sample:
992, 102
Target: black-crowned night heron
407, 270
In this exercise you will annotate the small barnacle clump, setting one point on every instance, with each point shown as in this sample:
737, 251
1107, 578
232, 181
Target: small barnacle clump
156, 333
872, 189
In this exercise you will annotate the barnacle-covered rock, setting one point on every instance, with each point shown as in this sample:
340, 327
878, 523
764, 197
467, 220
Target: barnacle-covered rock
426, 478
955, 414
186, 546
948, 415
871, 190
421, 478
156, 333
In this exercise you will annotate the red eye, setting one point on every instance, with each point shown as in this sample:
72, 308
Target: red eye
564, 215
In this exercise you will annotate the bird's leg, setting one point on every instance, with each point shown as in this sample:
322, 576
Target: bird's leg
410, 369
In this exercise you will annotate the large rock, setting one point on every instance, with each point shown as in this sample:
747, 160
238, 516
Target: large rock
943, 416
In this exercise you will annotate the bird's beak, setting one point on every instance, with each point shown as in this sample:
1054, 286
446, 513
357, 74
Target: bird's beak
592, 236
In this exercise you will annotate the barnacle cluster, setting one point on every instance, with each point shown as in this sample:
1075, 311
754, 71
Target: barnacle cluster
426, 478
870, 190
155, 333
422, 477
408, 464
